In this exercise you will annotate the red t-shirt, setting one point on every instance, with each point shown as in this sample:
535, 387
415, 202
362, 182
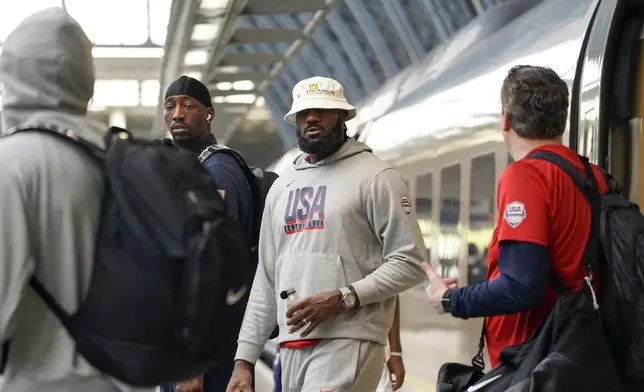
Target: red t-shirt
538, 203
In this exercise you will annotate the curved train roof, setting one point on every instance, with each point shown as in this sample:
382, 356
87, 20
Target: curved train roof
451, 100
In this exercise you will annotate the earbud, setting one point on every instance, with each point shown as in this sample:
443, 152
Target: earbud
208, 117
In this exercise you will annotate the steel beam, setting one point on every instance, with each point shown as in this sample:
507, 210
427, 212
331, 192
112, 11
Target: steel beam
354, 53
264, 35
214, 92
266, 7
219, 45
324, 45
307, 54
432, 12
298, 68
478, 6
250, 58
182, 18
317, 19
408, 37
374, 36
284, 130
254, 77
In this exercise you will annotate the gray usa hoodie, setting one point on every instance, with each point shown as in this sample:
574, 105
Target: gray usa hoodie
344, 220
50, 200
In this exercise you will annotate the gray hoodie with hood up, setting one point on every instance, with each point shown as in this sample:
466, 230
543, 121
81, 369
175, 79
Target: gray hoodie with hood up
344, 220
50, 196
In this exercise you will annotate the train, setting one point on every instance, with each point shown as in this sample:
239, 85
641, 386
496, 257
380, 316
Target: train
437, 122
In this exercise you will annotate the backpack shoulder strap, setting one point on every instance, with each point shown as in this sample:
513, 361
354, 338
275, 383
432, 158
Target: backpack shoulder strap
587, 185
64, 134
213, 149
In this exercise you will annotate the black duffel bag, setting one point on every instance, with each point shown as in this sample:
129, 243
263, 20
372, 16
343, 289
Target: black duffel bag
568, 353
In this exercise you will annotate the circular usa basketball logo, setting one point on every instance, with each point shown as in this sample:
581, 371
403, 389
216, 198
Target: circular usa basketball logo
514, 213
406, 204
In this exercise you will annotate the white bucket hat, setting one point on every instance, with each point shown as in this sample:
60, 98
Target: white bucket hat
319, 93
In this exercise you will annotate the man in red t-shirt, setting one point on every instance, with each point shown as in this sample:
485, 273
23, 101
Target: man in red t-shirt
543, 223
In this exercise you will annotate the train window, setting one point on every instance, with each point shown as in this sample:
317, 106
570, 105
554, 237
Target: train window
481, 222
424, 208
449, 239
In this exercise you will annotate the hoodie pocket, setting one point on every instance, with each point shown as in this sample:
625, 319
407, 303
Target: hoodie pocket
308, 274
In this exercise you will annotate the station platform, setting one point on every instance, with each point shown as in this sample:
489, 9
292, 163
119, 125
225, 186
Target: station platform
428, 341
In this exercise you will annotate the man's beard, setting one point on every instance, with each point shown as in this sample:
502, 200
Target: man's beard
324, 145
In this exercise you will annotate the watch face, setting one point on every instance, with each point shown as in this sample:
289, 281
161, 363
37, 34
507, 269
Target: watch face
349, 300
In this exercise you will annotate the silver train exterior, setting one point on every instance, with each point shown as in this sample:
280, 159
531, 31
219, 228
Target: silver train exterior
437, 122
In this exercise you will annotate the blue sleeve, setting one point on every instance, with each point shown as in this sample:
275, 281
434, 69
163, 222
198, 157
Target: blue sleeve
524, 269
231, 180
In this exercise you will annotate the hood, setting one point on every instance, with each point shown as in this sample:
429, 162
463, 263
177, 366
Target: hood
47, 73
348, 149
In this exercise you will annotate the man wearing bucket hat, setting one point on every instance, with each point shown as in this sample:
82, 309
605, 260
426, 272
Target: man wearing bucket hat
339, 241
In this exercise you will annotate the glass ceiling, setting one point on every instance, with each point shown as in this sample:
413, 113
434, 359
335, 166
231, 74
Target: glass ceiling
103, 21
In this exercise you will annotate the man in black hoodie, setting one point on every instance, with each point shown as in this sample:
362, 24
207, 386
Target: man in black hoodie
188, 114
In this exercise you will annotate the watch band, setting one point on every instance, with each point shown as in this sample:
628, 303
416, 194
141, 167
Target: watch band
356, 295
344, 290
395, 354
446, 300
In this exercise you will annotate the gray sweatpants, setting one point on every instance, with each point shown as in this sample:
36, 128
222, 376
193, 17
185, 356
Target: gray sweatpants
338, 365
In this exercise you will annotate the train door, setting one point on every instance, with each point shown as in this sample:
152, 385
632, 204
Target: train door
602, 102
611, 109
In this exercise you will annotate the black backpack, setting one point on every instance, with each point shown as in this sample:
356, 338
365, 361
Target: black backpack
621, 296
260, 182
163, 303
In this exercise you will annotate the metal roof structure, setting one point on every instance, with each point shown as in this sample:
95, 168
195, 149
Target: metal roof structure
127, 61
252, 52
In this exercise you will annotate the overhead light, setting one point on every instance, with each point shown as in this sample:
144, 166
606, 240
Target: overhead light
116, 93
204, 32
219, 99
196, 57
118, 52
150, 92
213, 4
224, 86
236, 109
260, 102
228, 69
243, 85
240, 98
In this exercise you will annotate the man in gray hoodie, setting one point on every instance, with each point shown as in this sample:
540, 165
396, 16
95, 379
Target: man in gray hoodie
50, 200
339, 241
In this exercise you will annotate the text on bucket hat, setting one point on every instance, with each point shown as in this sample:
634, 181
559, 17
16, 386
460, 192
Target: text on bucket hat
319, 93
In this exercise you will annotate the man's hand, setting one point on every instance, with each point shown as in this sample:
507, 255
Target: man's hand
397, 370
192, 385
437, 287
241, 380
314, 311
